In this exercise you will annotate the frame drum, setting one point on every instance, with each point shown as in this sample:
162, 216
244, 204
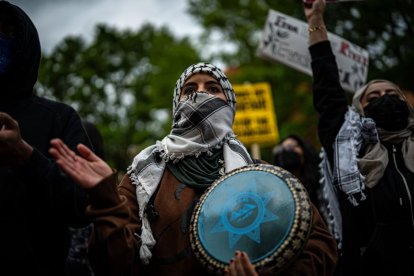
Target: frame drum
261, 209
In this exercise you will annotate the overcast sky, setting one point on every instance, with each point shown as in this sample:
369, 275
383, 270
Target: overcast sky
56, 19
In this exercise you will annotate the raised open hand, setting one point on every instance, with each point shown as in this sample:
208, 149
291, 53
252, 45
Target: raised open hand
86, 169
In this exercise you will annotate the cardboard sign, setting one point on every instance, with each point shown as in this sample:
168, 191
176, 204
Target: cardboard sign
255, 120
286, 40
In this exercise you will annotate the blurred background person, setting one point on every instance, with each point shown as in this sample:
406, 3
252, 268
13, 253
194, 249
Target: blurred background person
301, 159
38, 202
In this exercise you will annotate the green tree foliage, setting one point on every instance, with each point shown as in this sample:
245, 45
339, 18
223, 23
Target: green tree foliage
386, 29
383, 27
122, 81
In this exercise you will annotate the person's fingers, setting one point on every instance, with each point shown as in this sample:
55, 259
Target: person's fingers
320, 4
58, 145
5, 118
246, 263
87, 153
63, 156
7, 122
240, 270
245, 259
308, 4
65, 151
232, 268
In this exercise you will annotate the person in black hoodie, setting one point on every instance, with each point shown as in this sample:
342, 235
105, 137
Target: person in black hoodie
370, 148
38, 202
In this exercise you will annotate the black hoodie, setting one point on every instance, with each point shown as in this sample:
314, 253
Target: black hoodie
37, 201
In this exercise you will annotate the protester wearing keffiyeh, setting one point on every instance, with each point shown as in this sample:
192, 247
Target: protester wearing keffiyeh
201, 135
351, 171
375, 158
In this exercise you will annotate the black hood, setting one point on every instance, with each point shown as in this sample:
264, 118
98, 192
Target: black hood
21, 76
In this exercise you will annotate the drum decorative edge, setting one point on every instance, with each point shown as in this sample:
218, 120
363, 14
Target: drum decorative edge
288, 250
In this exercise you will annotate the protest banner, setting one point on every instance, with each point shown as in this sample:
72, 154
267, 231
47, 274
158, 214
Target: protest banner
286, 40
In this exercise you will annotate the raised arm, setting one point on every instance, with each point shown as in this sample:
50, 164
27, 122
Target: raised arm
314, 15
328, 96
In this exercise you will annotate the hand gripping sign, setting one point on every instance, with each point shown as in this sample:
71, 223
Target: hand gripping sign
285, 40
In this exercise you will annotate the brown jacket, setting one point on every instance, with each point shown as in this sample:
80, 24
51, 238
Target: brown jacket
114, 247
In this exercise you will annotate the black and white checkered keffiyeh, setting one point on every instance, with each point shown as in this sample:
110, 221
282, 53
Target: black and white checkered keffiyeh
344, 174
212, 70
201, 123
355, 132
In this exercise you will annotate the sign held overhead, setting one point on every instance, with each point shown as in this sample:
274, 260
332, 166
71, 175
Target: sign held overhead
286, 40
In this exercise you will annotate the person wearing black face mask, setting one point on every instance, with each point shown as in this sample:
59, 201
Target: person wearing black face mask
369, 157
301, 159
288, 159
388, 112
38, 202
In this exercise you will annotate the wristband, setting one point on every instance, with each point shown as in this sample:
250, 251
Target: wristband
316, 28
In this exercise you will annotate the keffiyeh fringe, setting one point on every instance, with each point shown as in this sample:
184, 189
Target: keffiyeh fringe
146, 173
328, 200
355, 132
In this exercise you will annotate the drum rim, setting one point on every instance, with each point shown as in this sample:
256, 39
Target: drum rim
290, 247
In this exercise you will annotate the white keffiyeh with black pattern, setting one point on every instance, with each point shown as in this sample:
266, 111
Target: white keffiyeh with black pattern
201, 123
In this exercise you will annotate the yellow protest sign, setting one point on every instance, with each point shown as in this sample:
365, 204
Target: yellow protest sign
255, 121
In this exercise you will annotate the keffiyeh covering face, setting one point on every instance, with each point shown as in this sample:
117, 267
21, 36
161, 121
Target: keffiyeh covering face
201, 123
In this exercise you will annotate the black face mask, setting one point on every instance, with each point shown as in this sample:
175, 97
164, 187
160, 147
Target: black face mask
287, 159
388, 112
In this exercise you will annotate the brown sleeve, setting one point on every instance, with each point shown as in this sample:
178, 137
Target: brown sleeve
113, 248
320, 254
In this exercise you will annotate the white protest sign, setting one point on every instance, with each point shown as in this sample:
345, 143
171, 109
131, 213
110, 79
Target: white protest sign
286, 40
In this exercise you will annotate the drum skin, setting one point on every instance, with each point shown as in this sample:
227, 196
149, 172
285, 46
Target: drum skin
260, 209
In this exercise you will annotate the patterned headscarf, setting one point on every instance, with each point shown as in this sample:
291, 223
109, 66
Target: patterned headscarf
356, 99
202, 122
210, 69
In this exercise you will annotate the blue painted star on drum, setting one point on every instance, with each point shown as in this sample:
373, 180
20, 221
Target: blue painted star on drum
244, 213
251, 211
